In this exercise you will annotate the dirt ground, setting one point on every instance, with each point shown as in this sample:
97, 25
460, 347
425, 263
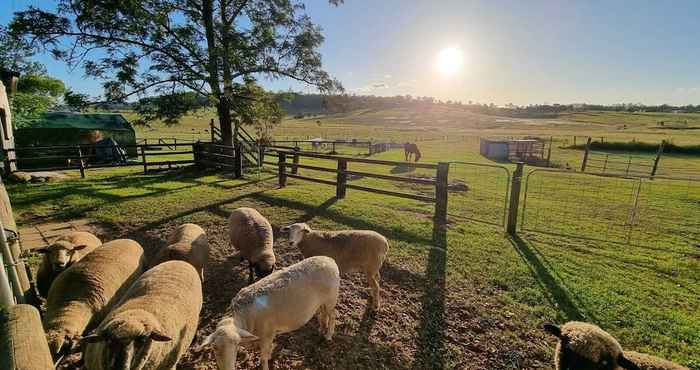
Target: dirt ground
423, 323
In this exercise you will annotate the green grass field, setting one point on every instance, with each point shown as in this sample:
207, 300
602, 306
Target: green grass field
468, 297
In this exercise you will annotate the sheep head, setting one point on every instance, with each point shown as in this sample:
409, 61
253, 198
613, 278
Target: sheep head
264, 266
126, 339
296, 232
226, 339
61, 342
584, 346
61, 254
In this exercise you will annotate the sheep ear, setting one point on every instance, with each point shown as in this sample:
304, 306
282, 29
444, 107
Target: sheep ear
626, 364
552, 329
284, 229
42, 249
159, 336
246, 336
207, 341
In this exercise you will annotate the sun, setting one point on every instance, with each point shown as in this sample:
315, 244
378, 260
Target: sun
449, 61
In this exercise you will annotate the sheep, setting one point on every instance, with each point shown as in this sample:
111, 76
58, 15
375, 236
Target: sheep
586, 346
153, 325
65, 251
187, 243
251, 235
279, 303
352, 250
83, 294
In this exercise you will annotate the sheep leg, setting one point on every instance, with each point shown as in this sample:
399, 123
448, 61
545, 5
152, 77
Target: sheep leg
373, 282
322, 319
330, 323
266, 346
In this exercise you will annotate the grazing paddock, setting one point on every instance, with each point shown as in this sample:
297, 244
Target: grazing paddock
469, 297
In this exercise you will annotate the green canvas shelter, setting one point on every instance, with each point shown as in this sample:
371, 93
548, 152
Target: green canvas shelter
66, 128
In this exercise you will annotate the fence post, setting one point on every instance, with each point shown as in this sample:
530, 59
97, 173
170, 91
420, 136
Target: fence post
516, 182
143, 157
295, 160
549, 151
80, 163
211, 129
658, 157
341, 179
585, 155
282, 176
443, 169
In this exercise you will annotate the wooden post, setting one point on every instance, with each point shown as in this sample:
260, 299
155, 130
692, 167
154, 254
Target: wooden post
211, 129
658, 157
80, 163
629, 162
441, 193
333, 150
143, 157
516, 182
238, 160
549, 151
605, 164
574, 140
585, 155
369, 148
342, 179
195, 154
295, 160
20, 347
282, 176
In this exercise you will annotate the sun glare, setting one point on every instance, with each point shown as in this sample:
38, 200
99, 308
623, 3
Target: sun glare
449, 61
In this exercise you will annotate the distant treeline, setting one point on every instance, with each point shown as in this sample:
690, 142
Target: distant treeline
316, 103
640, 147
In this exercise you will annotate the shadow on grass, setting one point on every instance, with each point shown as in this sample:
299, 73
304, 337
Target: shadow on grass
402, 168
431, 332
559, 298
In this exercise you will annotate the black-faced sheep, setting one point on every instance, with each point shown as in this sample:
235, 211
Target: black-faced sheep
187, 243
584, 346
153, 325
352, 250
251, 235
65, 251
279, 303
81, 296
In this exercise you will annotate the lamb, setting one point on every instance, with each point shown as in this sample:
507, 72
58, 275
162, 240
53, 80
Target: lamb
65, 251
187, 243
352, 250
586, 346
153, 325
82, 295
251, 235
281, 302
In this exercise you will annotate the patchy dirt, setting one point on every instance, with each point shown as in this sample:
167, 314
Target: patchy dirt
424, 322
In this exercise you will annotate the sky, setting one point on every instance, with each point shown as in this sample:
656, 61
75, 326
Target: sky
507, 51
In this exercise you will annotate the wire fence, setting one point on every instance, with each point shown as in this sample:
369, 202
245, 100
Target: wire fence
618, 163
633, 210
478, 192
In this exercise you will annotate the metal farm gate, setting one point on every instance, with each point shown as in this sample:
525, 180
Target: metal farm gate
660, 211
478, 192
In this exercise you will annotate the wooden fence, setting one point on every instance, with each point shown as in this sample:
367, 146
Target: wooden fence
287, 159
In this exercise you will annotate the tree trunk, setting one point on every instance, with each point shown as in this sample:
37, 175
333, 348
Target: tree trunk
225, 121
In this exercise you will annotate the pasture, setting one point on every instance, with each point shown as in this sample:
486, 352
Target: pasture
467, 297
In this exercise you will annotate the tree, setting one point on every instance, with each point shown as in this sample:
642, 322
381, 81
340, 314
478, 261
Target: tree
35, 94
16, 53
213, 48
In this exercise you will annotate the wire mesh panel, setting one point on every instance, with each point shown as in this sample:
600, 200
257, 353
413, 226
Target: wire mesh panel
660, 212
617, 163
478, 192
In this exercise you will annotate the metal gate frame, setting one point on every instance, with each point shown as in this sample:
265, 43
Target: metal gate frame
505, 195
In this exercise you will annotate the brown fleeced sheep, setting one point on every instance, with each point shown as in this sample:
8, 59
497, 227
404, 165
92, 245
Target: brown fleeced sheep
81, 296
187, 243
251, 235
153, 325
65, 251
279, 303
352, 250
586, 346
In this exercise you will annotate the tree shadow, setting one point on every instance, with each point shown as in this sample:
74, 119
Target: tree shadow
431, 336
402, 168
311, 213
558, 296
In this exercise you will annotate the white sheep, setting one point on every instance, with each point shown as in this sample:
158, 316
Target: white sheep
153, 325
279, 303
251, 235
82, 295
586, 346
352, 250
187, 243
65, 251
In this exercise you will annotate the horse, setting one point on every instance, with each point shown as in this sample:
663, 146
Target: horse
411, 148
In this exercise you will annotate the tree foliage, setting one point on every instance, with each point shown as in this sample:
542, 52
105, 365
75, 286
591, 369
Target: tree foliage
16, 54
35, 94
216, 49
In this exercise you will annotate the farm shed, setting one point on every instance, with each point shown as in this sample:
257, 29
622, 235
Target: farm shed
66, 128
531, 151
